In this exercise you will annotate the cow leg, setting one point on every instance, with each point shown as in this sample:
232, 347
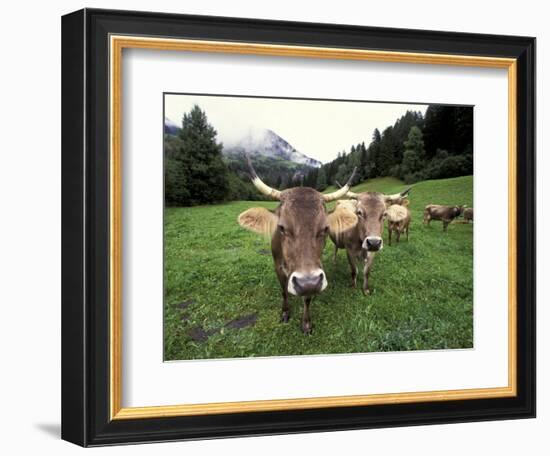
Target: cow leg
353, 267
398, 234
285, 311
306, 320
283, 280
366, 272
389, 235
445, 224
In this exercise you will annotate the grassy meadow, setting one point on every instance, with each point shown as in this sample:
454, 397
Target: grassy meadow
223, 300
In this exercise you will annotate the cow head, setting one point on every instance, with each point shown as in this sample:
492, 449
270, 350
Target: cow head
397, 198
298, 228
455, 211
370, 208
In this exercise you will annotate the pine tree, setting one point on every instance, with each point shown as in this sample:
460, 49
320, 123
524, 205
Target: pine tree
374, 154
414, 158
175, 183
196, 173
363, 161
342, 174
355, 162
464, 130
321, 183
386, 157
449, 128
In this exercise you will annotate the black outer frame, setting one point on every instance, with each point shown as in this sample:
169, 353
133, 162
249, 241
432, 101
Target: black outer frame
85, 227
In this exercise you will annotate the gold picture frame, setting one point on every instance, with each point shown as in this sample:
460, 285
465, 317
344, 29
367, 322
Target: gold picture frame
117, 46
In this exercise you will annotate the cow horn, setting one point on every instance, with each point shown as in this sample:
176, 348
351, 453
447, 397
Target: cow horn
395, 196
341, 191
259, 184
349, 193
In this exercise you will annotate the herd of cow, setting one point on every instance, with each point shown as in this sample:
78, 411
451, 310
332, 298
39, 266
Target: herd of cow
300, 224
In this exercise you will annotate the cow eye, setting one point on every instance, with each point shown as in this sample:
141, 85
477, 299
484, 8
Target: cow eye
281, 229
360, 213
323, 232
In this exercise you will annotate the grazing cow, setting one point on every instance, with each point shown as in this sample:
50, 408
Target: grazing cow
444, 213
399, 219
469, 214
364, 239
298, 228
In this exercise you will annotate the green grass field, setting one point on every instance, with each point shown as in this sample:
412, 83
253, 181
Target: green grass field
223, 300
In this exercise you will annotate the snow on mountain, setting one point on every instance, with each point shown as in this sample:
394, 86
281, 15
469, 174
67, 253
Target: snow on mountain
257, 141
268, 143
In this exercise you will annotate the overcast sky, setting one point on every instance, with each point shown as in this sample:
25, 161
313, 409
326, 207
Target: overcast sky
319, 129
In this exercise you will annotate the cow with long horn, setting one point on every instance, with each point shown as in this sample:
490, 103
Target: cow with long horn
364, 239
298, 228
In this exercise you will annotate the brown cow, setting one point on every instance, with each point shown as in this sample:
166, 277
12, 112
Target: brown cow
298, 228
469, 214
364, 239
399, 219
444, 213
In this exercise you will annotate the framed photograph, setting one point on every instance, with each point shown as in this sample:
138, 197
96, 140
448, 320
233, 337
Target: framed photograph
268, 227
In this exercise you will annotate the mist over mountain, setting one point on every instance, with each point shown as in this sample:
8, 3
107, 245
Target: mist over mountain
267, 143
257, 143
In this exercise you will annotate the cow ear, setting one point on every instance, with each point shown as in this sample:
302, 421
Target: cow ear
340, 220
405, 202
259, 220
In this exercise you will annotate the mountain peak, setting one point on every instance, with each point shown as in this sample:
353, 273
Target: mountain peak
257, 141
265, 142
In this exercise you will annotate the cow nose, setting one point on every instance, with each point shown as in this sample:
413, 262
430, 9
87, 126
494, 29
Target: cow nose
372, 243
307, 284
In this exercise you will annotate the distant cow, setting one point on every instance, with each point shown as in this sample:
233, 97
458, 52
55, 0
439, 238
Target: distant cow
364, 239
399, 219
298, 228
469, 214
444, 213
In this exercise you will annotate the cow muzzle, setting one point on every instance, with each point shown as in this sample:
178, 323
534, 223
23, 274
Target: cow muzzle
373, 244
307, 284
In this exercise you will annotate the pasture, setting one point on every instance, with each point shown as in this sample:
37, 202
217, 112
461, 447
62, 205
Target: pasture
223, 300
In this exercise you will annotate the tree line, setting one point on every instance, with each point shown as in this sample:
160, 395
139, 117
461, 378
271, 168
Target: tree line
436, 145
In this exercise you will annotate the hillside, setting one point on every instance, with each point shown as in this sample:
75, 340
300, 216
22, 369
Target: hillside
456, 190
442, 191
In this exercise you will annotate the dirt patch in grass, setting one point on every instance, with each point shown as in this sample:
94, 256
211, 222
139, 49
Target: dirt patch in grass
242, 322
199, 334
